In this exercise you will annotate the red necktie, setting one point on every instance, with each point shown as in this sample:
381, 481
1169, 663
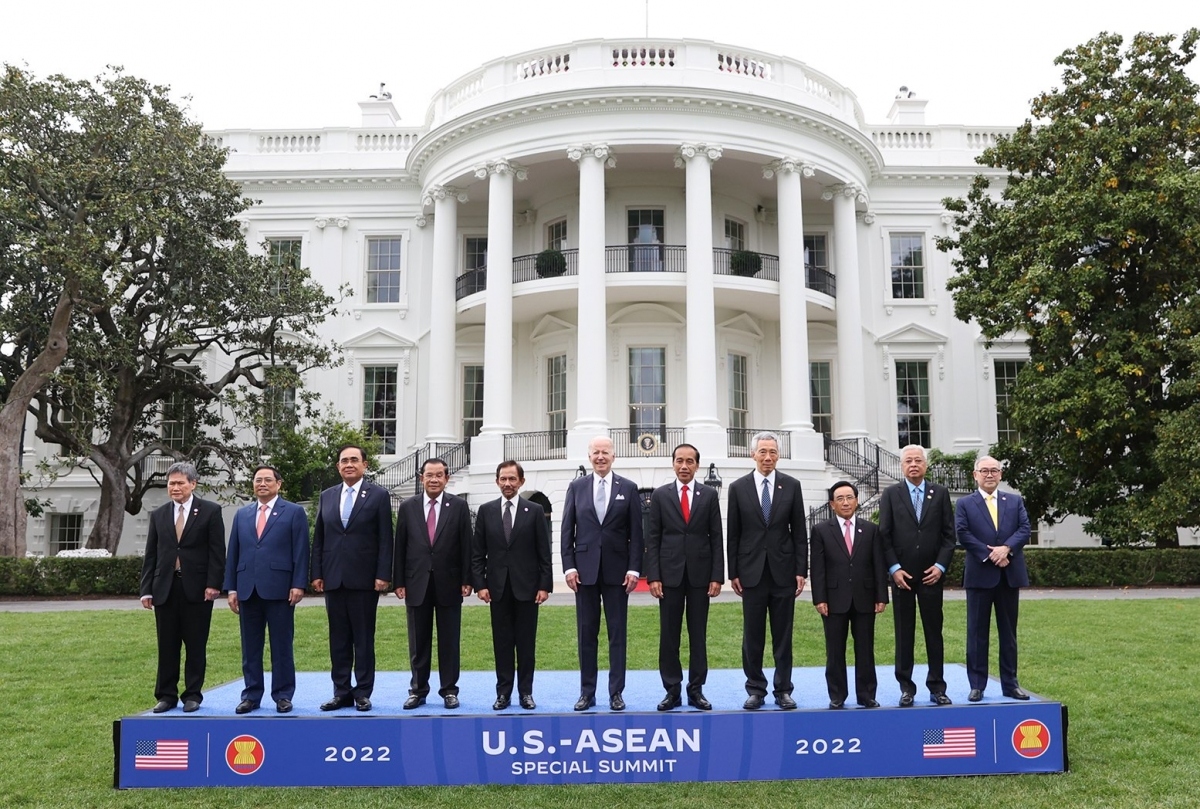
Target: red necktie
262, 519
849, 539
431, 520
683, 504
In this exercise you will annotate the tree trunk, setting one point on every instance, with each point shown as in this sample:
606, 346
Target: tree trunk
110, 519
12, 422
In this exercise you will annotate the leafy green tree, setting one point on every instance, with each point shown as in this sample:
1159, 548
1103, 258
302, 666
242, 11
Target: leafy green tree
1091, 252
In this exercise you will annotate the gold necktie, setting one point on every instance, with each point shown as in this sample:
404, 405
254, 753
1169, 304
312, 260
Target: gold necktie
991, 504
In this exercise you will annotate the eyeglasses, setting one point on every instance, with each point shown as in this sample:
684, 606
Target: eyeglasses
350, 459
989, 471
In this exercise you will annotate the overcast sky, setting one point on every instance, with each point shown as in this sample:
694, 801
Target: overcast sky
267, 64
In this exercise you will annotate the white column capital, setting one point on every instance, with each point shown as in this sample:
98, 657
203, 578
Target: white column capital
322, 222
501, 166
600, 151
788, 165
422, 220
441, 192
687, 151
868, 217
847, 190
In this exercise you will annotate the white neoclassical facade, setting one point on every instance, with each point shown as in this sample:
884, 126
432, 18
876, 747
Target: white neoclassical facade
656, 240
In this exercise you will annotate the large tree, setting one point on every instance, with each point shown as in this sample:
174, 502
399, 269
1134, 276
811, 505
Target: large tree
1092, 253
170, 308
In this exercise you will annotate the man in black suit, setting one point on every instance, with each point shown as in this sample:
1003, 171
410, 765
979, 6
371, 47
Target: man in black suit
512, 571
849, 588
351, 563
768, 561
432, 574
685, 566
602, 558
265, 577
916, 524
181, 575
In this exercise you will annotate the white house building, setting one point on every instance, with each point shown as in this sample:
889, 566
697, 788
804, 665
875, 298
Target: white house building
656, 240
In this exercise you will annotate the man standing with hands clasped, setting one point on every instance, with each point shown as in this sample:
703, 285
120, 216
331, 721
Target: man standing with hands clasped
916, 523
602, 558
685, 566
768, 561
993, 527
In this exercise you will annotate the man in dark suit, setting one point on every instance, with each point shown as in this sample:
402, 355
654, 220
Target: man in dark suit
849, 588
265, 577
916, 524
181, 575
513, 573
602, 558
993, 528
432, 574
768, 562
351, 563
685, 566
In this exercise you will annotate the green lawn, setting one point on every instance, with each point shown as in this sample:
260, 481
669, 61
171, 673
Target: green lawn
1128, 672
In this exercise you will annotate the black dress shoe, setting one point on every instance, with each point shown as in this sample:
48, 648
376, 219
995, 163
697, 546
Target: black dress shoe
834, 704
785, 702
245, 706
450, 701
413, 701
283, 705
670, 701
906, 700
753, 702
163, 706
1016, 693
362, 703
527, 702
585, 701
616, 702
191, 705
976, 695
940, 699
869, 703
697, 700
501, 702
337, 702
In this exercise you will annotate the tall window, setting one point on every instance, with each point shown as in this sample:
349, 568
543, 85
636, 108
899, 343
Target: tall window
739, 397
284, 256
279, 405
556, 235
1006, 378
908, 265
66, 533
646, 233
475, 253
822, 397
556, 399
380, 388
912, 404
177, 423
472, 401
735, 235
383, 270
648, 392
816, 255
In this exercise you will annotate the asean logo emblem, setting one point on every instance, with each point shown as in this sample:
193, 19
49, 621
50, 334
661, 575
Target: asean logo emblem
1031, 738
244, 755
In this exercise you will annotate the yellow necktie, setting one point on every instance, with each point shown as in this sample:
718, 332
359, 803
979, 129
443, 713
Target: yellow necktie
991, 504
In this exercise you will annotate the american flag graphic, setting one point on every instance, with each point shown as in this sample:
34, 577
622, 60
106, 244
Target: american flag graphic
948, 743
158, 754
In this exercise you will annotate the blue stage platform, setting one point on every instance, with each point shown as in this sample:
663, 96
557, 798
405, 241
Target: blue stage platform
553, 744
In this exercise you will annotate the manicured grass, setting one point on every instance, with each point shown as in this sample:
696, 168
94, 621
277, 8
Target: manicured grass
1128, 672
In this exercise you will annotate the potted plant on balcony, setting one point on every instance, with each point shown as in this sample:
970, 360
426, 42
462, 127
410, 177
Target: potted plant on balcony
551, 263
745, 263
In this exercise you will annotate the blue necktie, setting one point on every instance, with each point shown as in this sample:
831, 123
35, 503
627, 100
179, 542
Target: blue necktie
601, 501
766, 500
917, 503
347, 506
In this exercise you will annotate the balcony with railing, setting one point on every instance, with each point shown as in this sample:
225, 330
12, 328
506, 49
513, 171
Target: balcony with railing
738, 441
545, 445
745, 264
637, 443
546, 264
645, 258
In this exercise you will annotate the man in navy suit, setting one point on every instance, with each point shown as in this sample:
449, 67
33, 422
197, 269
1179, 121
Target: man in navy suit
768, 562
849, 588
181, 575
513, 573
685, 566
993, 528
432, 575
602, 558
916, 524
351, 563
266, 571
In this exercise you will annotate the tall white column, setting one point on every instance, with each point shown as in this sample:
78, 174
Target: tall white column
851, 395
796, 405
701, 419
443, 327
497, 327
591, 360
